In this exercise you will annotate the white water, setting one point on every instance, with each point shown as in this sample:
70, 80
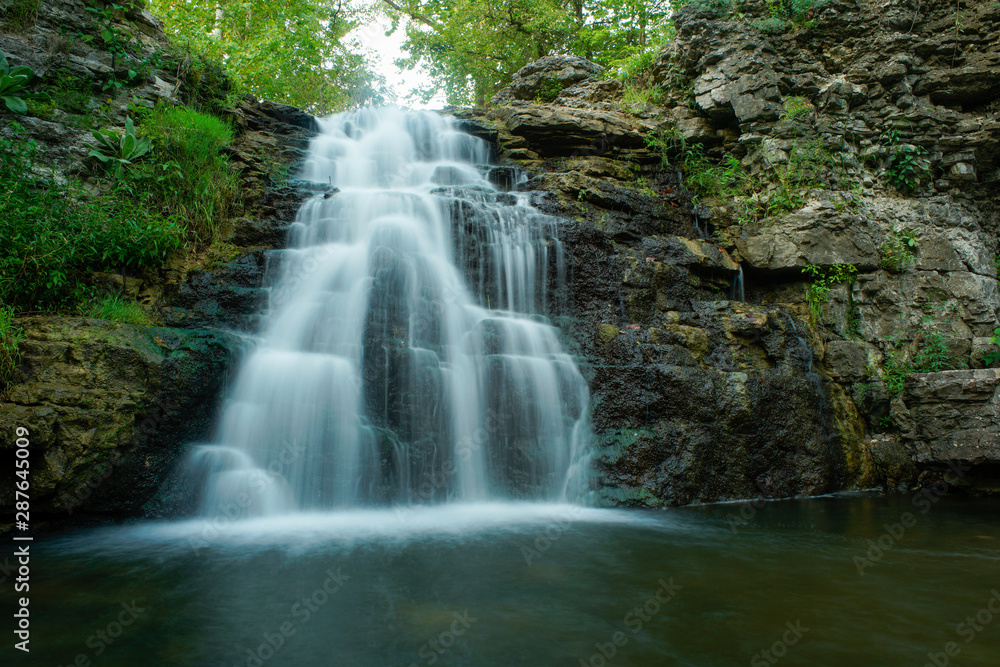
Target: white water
407, 357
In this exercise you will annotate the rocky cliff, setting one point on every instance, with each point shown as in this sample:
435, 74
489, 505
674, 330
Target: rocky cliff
801, 326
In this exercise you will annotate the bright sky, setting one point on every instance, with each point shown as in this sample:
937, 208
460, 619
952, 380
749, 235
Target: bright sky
384, 51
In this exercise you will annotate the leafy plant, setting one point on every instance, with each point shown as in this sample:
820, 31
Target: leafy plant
897, 251
14, 80
10, 338
797, 11
908, 167
119, 150
993, 356
701, 176
823, 280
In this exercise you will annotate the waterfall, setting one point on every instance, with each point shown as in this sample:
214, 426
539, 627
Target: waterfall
407, 355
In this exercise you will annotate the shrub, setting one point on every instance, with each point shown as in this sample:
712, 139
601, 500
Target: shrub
771, 25
188, 175
54, 234
549, 89
993, 356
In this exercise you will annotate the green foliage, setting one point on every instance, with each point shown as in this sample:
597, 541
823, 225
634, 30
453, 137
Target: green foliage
12, 82
115, 309
119, 149
908, 168
772, 25
925, 352
638, 95
823, 280
796, 107
701, 176
993, 356
10, 338
55, 234
290, 52
472, 48
996, 263
797, 11
897, 250
549, 89
187, 174
66, 92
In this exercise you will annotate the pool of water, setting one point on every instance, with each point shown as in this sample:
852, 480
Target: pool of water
827, 581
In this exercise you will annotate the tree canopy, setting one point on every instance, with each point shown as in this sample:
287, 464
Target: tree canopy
289, 51
473, 47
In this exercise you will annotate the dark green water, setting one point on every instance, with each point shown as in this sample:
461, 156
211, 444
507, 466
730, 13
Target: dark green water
455, 587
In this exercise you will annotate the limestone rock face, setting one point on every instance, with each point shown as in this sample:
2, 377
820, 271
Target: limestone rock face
951, 420
551, 72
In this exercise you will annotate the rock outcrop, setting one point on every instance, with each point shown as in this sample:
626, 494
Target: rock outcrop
891, 112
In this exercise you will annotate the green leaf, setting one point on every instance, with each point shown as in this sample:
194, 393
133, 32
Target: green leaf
15, 104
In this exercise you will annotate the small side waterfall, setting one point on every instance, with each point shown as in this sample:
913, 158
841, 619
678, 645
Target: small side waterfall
407, 355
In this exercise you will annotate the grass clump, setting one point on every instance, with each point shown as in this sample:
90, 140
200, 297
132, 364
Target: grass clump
115, 309
10, 339
188, 175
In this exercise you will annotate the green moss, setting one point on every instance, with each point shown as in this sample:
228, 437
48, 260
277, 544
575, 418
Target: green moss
607, 333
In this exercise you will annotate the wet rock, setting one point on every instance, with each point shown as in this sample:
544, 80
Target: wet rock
109, 408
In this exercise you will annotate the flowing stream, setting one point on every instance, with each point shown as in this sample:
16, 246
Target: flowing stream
408, 356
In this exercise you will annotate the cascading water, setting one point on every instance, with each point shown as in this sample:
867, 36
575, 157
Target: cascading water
407, 357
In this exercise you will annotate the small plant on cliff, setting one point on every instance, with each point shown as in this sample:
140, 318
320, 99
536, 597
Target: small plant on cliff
701, 176
12, 82
796, 107
908, 166
549, 89
897, 251
118, 150
10, 338
993, 356
18, 14
823, 280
